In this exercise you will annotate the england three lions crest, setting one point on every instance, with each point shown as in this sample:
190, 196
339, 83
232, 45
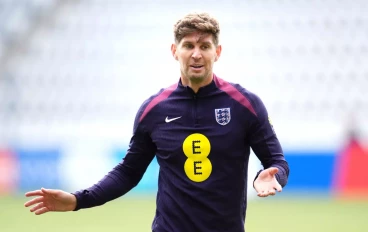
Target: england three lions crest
223, 116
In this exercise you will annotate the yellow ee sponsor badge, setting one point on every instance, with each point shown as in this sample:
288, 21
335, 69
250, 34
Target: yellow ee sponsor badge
197, 167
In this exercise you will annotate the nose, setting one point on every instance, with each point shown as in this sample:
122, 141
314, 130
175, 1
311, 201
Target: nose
196, 54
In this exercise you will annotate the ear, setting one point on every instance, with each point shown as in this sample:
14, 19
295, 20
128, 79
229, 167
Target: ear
218, 52
173, 51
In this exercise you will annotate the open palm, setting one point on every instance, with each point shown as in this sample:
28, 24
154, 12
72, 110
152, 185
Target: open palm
266, 183
48, 200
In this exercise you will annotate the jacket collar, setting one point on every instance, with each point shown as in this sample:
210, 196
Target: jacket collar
203, 91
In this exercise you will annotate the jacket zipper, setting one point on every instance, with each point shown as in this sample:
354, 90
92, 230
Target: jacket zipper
195, 99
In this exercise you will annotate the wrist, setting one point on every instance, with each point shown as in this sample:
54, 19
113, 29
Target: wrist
255, 178
74, 201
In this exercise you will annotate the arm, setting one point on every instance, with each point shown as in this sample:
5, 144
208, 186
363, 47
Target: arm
266, 146
119, 181
124, 176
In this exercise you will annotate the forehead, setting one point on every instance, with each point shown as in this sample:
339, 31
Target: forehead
198, 37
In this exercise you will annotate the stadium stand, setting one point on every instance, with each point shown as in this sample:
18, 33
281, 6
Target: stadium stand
81, 68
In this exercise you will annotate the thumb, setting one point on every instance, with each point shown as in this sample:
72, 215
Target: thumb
273, 171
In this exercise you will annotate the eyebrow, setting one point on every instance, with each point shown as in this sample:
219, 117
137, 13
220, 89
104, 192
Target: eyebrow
200, 38
198, 41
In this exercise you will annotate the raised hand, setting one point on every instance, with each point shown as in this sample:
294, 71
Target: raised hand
266, 183
48, 200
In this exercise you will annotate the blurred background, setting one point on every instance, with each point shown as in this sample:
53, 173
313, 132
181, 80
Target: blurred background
73, 74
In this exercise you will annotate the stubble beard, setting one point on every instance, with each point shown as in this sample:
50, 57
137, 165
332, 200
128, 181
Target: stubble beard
197, 78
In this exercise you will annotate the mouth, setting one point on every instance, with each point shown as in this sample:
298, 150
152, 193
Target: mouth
196, 67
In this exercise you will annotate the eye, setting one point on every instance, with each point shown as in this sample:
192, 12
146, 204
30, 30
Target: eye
205, 47
188, 46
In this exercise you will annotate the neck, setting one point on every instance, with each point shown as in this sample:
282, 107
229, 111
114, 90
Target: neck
196, 85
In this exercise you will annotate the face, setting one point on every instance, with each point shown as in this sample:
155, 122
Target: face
196, 54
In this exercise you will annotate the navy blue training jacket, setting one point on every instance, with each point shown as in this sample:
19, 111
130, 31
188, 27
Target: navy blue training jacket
202, 142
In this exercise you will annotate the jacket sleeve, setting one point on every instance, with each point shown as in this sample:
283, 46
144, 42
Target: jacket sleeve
265, 144
125, 175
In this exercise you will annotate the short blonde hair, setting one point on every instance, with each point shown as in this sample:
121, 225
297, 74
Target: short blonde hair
197, 22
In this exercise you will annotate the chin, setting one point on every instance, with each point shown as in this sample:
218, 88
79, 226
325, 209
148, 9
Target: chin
197, 79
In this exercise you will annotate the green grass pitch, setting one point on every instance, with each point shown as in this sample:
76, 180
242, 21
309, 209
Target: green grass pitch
135, 214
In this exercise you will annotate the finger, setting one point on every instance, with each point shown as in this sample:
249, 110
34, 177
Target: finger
278, 188
38, 206
42, 211
267, 193
34, 193
49, 191
34, 201
273, 170
272, 192
261, 194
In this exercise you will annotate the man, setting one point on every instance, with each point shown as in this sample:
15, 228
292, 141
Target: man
201, 130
